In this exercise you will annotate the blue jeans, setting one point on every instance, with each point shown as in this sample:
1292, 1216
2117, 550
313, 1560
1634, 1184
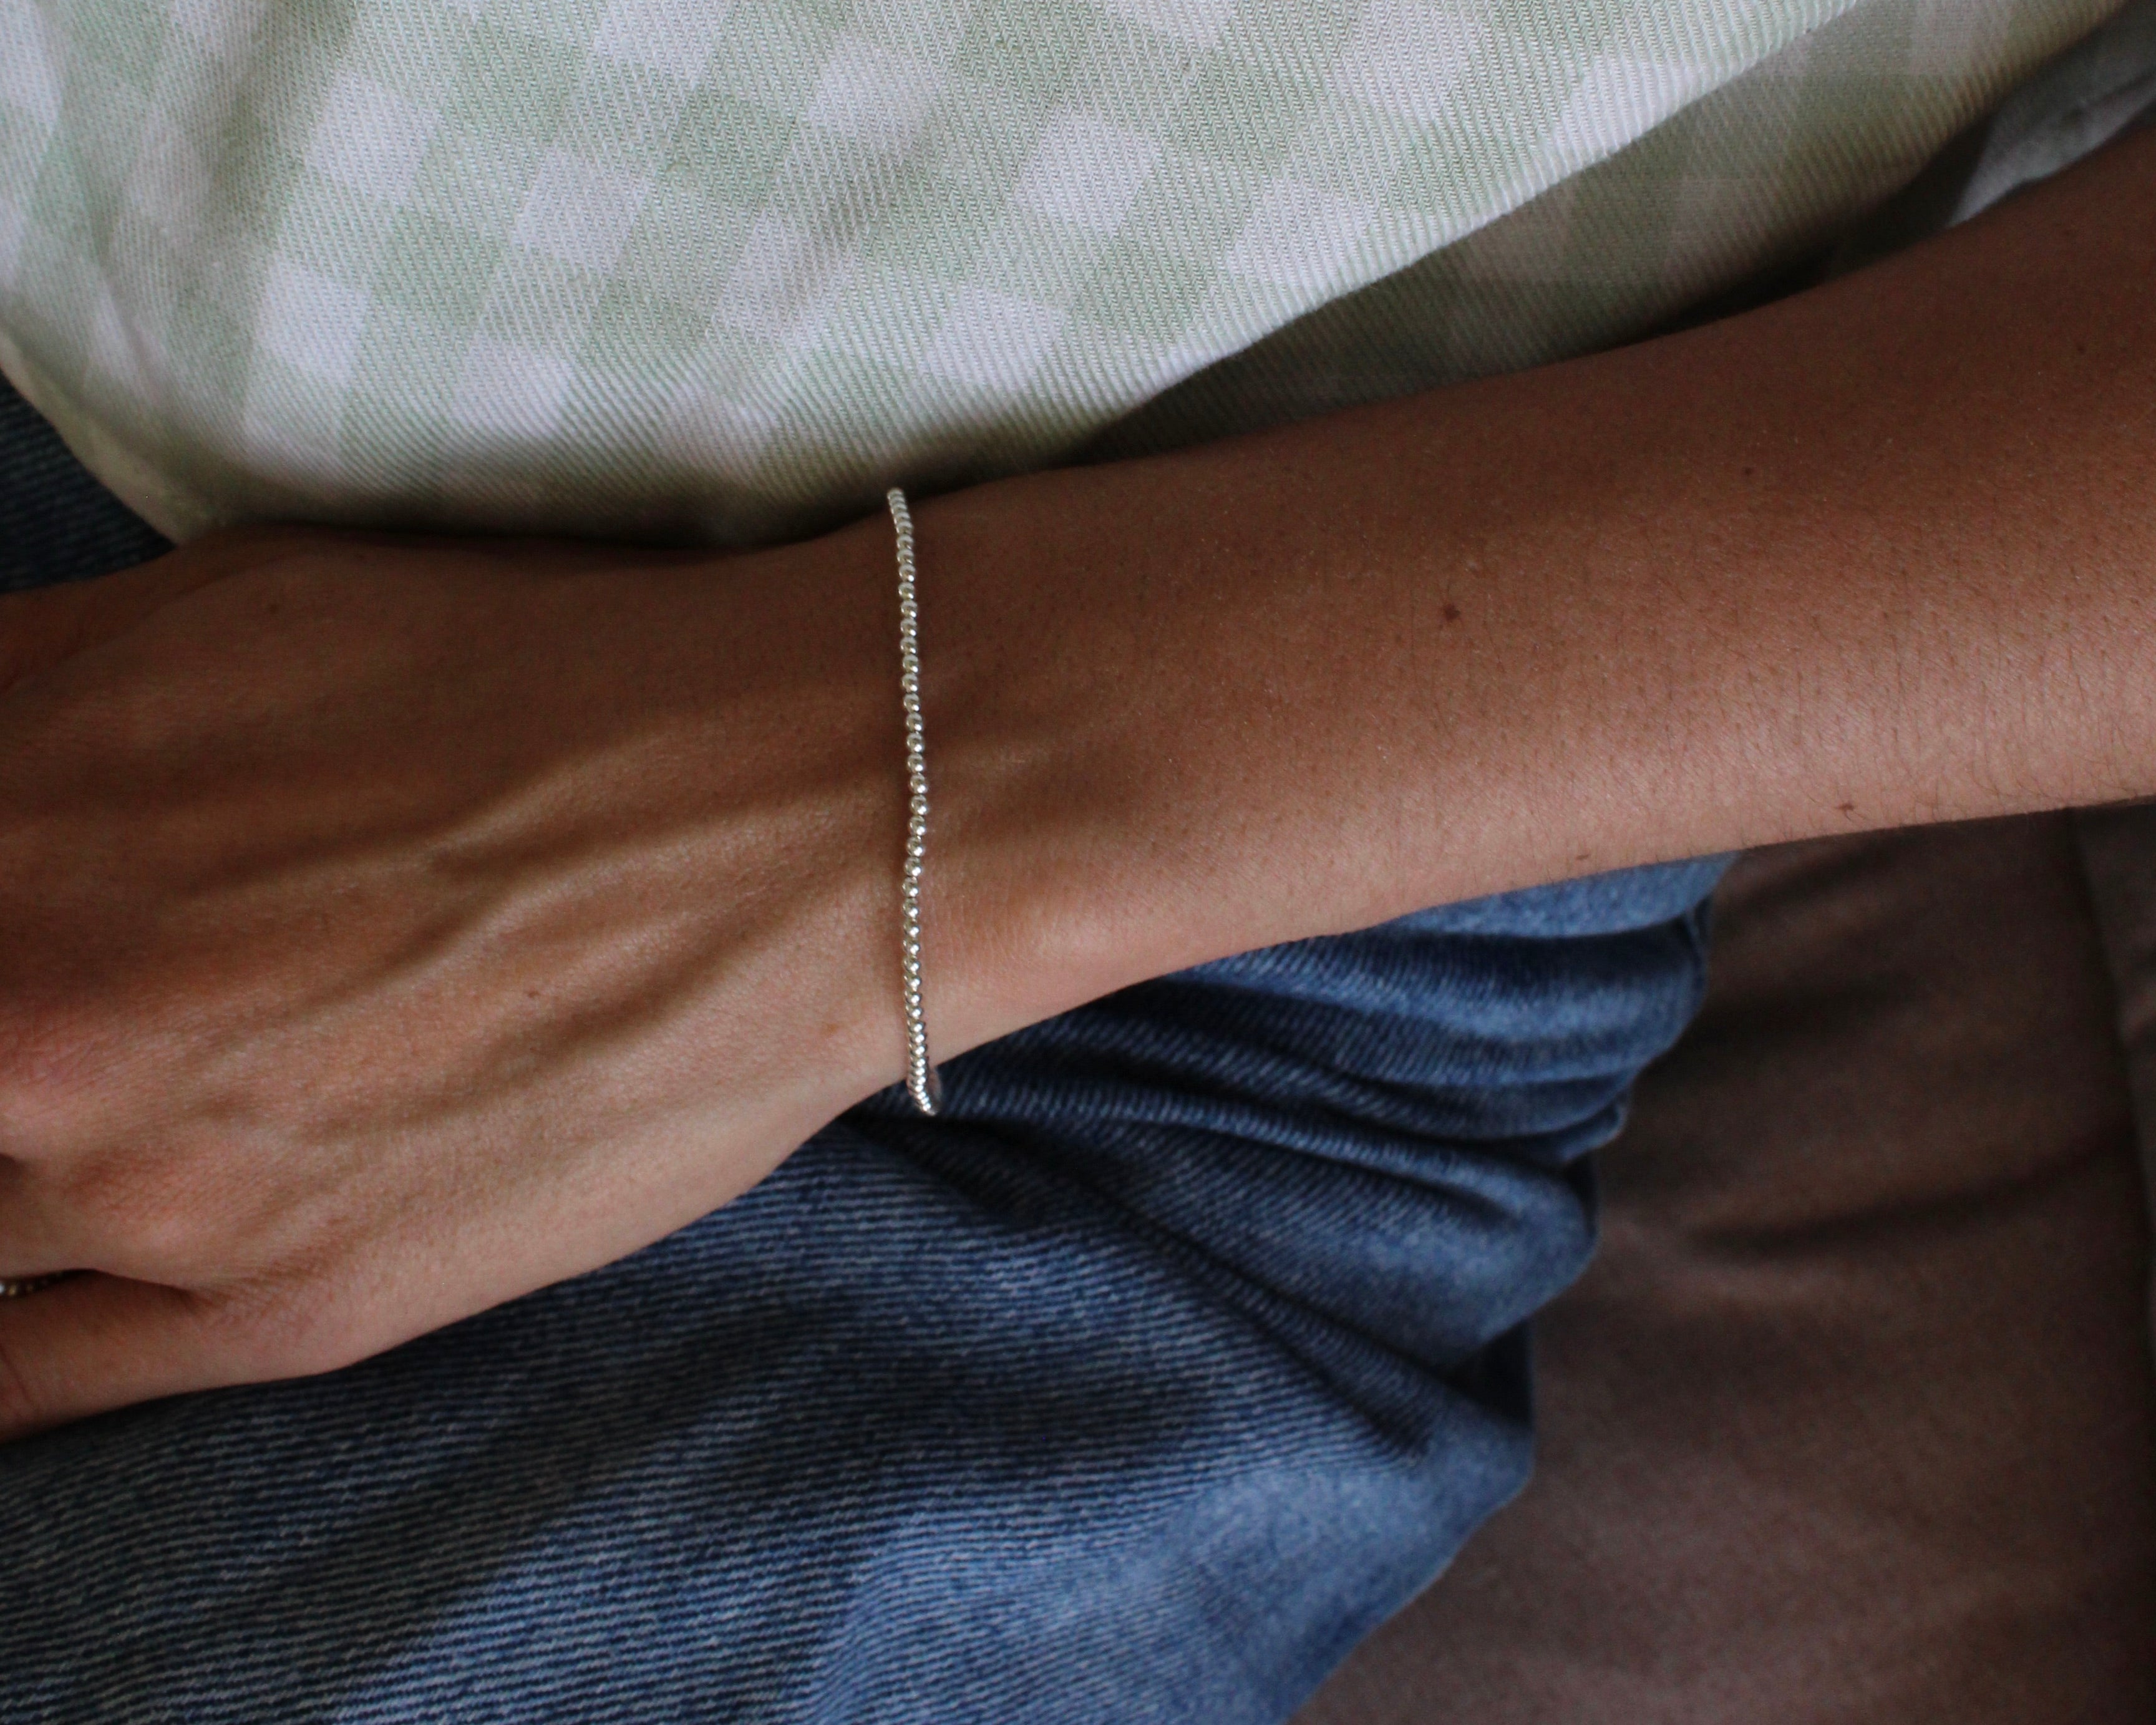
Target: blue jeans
1186, 1349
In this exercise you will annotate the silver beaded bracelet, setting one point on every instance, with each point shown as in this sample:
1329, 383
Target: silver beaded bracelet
922, 1083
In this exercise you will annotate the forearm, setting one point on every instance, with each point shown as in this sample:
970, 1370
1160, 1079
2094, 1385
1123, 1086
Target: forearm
318, 1033
1880, 553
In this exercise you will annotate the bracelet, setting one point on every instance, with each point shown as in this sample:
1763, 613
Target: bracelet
921, 1082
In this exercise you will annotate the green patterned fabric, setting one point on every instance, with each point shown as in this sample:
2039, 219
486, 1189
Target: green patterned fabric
725, 269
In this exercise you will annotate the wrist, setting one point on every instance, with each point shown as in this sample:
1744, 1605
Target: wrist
1064, 861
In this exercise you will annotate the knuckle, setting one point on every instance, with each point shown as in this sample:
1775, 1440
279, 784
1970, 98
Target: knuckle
49, 1059
143, 1212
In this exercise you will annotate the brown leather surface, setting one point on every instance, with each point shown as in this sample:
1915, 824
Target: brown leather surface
1854, 1419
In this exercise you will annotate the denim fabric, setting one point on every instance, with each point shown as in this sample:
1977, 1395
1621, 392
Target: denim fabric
1187, 1348
57, 523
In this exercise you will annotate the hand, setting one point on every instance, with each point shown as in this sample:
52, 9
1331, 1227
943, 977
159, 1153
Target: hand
389, 927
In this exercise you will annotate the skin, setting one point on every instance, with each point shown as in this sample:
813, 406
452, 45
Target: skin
389, 927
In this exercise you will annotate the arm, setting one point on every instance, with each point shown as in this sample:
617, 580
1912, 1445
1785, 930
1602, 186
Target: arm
1881, 553
387, 927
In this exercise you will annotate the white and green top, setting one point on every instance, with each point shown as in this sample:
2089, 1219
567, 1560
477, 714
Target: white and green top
724, 270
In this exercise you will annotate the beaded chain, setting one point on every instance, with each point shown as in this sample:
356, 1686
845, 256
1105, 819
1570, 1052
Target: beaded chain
921, 1081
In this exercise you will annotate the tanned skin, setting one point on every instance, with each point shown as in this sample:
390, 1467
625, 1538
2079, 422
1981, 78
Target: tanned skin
390, 926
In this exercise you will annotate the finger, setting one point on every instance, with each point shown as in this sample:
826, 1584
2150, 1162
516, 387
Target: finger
94, 1343
40, 628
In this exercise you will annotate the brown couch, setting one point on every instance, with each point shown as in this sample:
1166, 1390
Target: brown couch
1854, 1419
